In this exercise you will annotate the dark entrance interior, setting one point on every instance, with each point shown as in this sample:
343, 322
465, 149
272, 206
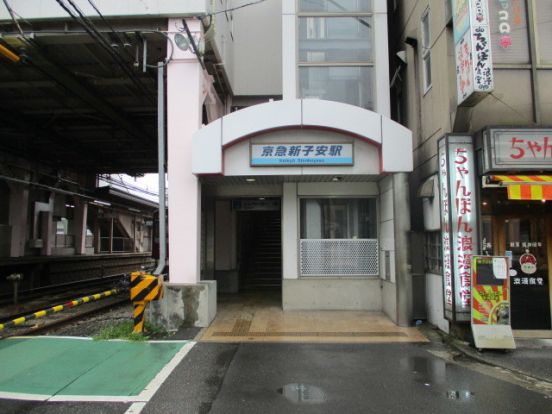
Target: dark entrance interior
260, 250
523, 229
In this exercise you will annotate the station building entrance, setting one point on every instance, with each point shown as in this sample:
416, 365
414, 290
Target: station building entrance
247, 244
306, 198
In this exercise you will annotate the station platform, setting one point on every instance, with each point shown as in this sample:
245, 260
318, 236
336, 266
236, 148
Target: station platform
81, 369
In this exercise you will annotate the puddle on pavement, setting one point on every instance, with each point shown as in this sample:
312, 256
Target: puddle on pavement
462, 395
427, 370
303, 393
432, 372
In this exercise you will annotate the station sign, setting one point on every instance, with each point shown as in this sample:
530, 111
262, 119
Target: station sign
459, 222
490, 309
516, 149
301, 154
472, 40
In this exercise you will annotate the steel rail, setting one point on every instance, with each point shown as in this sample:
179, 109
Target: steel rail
58, 308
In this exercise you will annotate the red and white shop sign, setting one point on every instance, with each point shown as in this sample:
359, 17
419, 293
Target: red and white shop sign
472, 39
511, 149
459, 227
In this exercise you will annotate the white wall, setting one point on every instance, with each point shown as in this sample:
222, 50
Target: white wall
257, 48
434, 301
386, 227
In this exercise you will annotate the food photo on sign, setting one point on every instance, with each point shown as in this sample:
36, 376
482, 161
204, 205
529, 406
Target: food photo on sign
490, 291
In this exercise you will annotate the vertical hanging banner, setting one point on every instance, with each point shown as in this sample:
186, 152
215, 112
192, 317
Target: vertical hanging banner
490, 310
459, 234
472, 39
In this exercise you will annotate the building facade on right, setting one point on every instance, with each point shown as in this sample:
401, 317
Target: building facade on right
472, 79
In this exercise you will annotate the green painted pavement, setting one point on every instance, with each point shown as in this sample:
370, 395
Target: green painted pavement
69, 366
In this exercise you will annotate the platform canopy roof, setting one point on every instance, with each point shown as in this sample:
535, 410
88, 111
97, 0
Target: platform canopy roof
78, 94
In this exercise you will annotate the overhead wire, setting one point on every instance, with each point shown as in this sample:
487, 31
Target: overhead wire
12, 14
90, 28
235, 8
91, 2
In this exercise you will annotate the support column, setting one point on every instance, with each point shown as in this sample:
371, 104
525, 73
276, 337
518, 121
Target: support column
81, 216
187, 301
48, 232
184, 110
403, 271
18, 212
289, 231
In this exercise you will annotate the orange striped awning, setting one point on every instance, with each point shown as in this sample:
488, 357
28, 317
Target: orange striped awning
529, 192
526, 187
507, 179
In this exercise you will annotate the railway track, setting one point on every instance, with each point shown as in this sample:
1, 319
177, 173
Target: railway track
58, 319
60, 291
56, 305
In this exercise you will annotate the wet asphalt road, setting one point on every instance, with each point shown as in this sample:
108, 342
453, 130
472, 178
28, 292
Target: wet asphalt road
320, 378
386, 378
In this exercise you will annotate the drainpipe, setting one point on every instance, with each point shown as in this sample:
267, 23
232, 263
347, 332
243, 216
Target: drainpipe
403, 269
161, 168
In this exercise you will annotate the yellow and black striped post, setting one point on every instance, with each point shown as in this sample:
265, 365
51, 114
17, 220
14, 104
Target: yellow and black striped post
143, 289
138, 315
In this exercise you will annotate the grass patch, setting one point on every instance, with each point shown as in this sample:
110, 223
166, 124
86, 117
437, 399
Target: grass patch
124, 330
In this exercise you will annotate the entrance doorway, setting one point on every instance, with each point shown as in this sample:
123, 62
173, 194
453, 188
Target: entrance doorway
260, 250
527, 238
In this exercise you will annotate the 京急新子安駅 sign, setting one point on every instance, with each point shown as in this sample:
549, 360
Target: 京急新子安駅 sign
263, 155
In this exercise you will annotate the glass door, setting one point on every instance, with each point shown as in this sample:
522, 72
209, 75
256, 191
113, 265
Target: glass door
527, 239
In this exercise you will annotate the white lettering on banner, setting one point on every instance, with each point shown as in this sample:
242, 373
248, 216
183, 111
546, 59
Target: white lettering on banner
459, 219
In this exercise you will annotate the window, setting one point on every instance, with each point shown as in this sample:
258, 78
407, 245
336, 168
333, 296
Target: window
426, 51
338, 237
543, 21
509, 37
335, 51
433, 253
338, 218
332, 6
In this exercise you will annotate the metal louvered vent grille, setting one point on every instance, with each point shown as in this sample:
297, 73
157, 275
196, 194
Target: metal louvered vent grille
339, 257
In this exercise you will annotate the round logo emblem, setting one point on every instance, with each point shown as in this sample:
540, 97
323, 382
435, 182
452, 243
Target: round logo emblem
528, 263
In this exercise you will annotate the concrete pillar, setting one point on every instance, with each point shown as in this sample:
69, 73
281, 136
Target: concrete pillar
290, 231
80, 219
184, 111
18, 214
188, 301
111, 235
48, 232
403, 271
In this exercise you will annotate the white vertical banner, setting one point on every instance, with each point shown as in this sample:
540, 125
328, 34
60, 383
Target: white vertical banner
472, 39
448, 289
459, 222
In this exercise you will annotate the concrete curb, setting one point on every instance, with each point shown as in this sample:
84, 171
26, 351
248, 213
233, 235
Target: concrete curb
474, 354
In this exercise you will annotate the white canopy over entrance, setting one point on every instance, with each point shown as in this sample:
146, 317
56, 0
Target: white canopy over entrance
390, 139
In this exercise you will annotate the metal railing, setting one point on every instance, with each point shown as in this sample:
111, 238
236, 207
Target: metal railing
65, 240
120, 244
